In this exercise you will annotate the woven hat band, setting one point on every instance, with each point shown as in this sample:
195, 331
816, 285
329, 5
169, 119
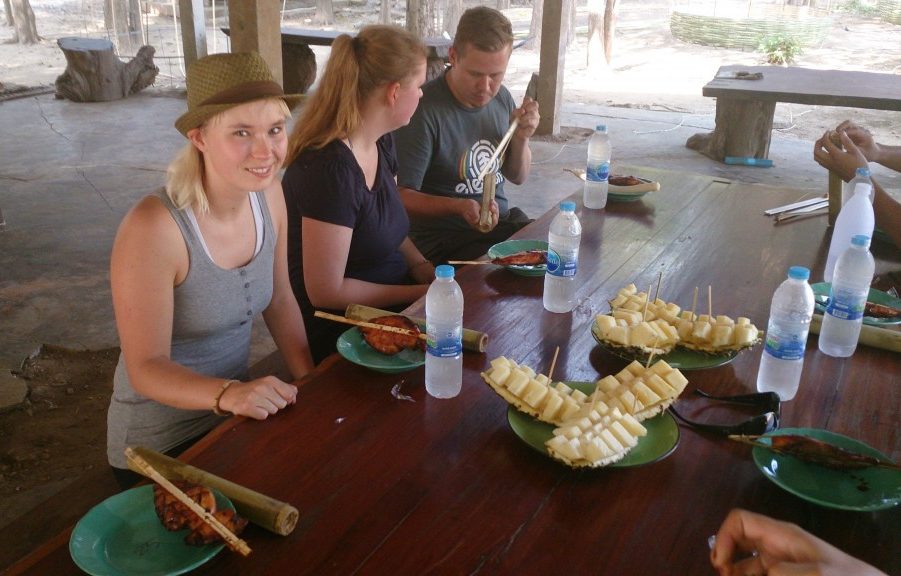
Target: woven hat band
245, 92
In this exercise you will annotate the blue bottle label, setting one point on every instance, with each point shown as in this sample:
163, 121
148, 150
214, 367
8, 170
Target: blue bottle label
598, 173
846, 304
446, 344
785, 346
561, 265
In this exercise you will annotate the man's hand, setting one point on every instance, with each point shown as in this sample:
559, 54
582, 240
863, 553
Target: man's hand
471, 209
528, 117
862, 138
843, 162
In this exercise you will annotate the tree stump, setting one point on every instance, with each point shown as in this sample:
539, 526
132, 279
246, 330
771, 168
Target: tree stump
298, 68
95, 74
743, 129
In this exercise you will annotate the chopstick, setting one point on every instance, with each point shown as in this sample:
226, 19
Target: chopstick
500, 147
235, 543
364, 324
783, 218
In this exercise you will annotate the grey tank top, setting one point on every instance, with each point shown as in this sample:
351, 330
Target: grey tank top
213, 315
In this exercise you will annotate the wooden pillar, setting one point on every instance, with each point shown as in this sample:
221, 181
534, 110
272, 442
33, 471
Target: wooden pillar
551, 65
193, 30
255, 27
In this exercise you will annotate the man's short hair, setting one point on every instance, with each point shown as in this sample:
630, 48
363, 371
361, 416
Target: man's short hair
486, 29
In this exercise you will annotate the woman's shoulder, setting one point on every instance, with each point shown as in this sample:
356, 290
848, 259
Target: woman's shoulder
149, 228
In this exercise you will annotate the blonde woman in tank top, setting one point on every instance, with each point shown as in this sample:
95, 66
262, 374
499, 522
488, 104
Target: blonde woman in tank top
192, 265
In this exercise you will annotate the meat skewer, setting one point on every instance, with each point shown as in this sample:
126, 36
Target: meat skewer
524, 258
874, 310
386, 334
816, 452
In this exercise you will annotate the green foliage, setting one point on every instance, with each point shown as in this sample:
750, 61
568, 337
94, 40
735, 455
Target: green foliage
779, 49
859, 8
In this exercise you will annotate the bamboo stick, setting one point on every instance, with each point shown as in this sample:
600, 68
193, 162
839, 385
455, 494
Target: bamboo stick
364, 324
456, 262
269, 513
694, 305
647, 299
709, 301
657, 291
230, 538
500, 148
473, 340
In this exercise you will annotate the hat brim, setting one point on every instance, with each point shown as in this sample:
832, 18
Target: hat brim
196, 117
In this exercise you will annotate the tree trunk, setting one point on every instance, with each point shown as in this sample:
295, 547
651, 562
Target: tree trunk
609, 29
595, 34
8, 10
26, 31
535, 27
452, 13
419, 18
385, 12
325, 12
94, 73
503, 4
570, 31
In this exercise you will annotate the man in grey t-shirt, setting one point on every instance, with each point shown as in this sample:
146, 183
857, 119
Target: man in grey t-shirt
461, 119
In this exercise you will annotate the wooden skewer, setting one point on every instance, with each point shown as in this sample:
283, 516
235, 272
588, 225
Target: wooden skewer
694, 304
657, 291
553, 363
500, 148
235, 543
365, 324
709, 301
647, 299
455, 262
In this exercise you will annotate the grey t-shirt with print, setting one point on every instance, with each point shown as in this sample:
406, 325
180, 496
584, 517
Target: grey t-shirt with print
443, 148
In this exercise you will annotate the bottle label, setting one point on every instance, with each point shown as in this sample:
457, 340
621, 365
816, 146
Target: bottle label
562, 264
846, 304
445, 343
785, 345
598, 173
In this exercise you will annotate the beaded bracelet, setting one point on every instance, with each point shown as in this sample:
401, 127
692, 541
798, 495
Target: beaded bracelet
216, 410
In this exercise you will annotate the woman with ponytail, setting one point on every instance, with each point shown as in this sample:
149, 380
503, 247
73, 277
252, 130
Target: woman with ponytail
347, 227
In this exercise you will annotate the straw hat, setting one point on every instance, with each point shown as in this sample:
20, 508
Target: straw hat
222, 81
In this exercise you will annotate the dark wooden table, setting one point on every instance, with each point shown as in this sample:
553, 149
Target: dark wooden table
388, 486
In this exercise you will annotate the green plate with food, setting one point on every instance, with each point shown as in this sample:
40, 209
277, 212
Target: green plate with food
354, 348
862, 489
680, 358
510, 248
122, 536
881, 310
660, 441
629, 188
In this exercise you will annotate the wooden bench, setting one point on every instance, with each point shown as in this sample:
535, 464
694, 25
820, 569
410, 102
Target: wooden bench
745, 107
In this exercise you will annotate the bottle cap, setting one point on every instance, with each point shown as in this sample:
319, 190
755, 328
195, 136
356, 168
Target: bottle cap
444, 271
601, 128
798, 273
860, 240
567, 206
864, 171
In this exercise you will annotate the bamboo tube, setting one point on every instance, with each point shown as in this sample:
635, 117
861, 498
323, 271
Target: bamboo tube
489, 184
472, 340
874, 336
364, 324
265, 512
146, 469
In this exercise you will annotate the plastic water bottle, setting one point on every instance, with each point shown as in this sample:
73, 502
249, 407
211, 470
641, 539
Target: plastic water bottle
847, 299
598, 169
444, 335
786, 335
855, 217
562, 259
861, 175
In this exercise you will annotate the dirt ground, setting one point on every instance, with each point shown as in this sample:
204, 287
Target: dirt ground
61, 431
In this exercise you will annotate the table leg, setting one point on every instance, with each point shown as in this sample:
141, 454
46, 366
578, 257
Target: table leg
743, 129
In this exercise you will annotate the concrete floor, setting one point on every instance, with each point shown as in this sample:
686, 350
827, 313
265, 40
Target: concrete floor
69, 172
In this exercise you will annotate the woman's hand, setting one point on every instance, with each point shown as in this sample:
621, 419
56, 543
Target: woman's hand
258, 398
749, 543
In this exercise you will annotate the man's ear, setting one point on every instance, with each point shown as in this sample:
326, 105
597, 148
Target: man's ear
452, 55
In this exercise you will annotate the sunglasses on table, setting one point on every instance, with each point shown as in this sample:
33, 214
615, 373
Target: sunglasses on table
768, 402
